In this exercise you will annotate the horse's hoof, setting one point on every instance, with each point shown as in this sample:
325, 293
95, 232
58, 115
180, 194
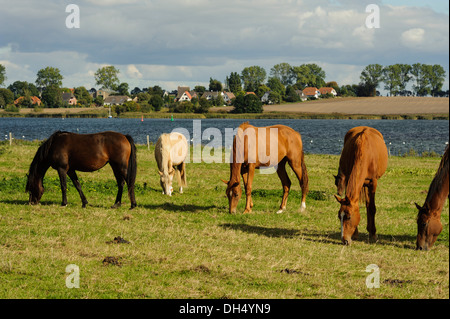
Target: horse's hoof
280, 211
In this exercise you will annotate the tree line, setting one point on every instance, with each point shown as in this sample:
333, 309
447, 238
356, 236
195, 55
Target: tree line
282, 82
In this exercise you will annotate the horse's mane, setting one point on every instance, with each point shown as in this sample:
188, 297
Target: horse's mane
357, 153
41, 155
443, 169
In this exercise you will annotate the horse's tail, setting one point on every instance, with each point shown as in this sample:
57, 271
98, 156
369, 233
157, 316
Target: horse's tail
132, 164
41, 155
305, 180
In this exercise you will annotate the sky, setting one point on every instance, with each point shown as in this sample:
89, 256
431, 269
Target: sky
175, 43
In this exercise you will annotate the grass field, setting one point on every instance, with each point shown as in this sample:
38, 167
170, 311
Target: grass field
188, 246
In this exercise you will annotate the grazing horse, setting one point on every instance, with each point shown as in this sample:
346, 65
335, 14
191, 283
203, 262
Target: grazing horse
251, 147
429, 224
363, 161
170, 153
69, 152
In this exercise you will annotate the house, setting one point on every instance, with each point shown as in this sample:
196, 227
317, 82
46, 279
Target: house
228, 97
69, 98
311, 92
104, 93
117, 100
34, 100
302, 95
327, 90
181, 91
265, 98
185, 96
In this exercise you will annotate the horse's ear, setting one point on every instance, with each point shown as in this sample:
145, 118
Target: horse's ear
342, 200
418, 206
160, 173
224, 181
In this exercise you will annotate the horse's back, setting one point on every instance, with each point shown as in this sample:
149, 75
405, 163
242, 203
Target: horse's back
171, 146
89, 152
364, 143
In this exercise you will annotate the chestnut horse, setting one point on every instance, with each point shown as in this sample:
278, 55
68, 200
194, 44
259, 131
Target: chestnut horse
429, 224
259, 147
69, 152
171, 151
363, 161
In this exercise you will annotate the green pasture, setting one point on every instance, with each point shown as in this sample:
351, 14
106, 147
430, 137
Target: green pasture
188, 246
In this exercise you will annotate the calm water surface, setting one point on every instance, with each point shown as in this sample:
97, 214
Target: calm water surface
319, 136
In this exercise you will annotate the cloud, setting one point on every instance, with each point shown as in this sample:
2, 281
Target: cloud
413, 37
191, 41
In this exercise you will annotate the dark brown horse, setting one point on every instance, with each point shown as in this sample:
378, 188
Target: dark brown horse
69, 152
259, 147
429, 224
363, 161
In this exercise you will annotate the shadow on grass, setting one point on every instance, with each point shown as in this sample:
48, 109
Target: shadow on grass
330, 237
185, 208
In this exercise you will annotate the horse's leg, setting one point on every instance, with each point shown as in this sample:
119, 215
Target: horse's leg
244, 174
371, 210
248, 181
63, 182
183, 176
73, 176
285, 182
296, 166
178, 174
119, 173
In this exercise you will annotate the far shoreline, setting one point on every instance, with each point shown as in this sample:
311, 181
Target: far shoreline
394, 108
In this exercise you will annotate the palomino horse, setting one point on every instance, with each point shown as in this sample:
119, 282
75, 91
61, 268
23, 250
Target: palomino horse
69, 152
170, 153
429, 224
363, 161
250, 148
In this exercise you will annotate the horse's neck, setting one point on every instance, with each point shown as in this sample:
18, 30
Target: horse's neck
437, 198
235, 172
355, 181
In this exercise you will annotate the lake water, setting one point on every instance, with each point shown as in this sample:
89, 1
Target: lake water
319, 136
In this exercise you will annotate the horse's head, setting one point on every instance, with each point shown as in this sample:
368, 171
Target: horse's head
166, 178
36, 188
234, 193
429, 227
349, 217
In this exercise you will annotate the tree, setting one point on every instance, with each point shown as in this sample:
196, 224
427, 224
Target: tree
310, 75
200, 89
157, 102
391, 78
21, 88
282, 72
49, 76
277, 86
421, 76
234, 83
370, 79
107, 77
215, 85
6, 97
249, 103
436, 78
2, 74
404, 77
253, 77
123, 88
83, 96
52, 96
